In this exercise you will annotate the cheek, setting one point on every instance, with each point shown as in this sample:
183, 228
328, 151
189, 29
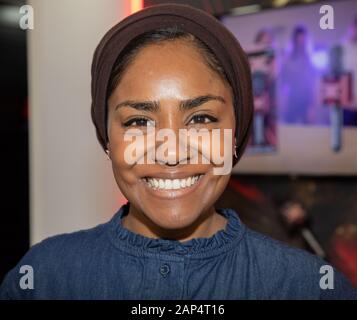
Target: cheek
223, 142
223, 184
122, 169
214, 189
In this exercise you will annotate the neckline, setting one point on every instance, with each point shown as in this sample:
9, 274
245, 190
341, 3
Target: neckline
139, 245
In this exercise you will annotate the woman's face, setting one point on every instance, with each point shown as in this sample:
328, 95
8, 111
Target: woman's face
151, 93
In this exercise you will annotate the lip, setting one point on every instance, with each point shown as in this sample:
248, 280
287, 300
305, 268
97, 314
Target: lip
173, 193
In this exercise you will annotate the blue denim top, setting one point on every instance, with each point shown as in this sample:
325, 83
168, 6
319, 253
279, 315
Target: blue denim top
111, 262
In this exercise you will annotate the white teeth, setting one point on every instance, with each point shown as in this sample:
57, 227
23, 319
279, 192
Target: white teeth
188, 182
156, 183
176, 184
168, 184
183, 183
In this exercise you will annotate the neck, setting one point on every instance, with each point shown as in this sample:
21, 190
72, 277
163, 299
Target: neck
208, 223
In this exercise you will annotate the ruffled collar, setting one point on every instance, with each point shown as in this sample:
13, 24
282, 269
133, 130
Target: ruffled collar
137, 244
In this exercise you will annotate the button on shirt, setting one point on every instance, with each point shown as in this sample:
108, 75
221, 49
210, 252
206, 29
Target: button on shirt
111, 262
164, 269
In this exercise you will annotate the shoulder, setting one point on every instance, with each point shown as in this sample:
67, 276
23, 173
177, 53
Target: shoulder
288, 272
55, 259
65, 245
271, 250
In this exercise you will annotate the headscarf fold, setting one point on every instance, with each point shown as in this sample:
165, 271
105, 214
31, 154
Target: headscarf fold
197, 22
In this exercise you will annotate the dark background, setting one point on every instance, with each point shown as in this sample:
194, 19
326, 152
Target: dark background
14, 204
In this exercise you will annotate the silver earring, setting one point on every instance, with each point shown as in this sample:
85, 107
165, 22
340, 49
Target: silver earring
235, 151
107, 152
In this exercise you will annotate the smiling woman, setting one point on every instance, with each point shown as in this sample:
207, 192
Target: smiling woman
181, 87
172, 68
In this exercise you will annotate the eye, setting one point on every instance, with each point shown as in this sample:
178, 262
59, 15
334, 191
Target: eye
202, 118
139, 122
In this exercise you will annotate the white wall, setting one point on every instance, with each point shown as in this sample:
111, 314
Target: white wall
71, 182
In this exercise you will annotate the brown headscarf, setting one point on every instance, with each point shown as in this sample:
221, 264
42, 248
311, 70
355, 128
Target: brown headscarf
197, 22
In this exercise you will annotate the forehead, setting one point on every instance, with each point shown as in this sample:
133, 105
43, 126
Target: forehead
174, 65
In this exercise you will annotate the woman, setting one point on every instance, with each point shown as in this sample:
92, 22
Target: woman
170, 67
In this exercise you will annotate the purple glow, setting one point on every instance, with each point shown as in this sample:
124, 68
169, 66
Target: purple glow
320, 59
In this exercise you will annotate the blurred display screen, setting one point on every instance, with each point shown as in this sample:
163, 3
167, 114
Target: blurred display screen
301, 72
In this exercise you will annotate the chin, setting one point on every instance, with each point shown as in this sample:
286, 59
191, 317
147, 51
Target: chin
173, 217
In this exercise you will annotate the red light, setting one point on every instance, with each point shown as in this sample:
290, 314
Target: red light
136, 5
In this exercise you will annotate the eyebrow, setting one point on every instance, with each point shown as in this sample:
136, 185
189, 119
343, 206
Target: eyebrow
153, 106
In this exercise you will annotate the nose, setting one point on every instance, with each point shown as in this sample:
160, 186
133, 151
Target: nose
173, 151
174, 155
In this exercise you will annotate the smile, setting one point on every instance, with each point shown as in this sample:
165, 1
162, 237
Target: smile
172, 184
